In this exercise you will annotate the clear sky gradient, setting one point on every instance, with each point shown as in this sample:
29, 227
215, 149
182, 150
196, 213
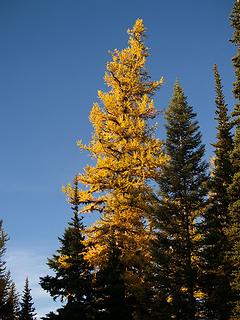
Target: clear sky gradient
52, 60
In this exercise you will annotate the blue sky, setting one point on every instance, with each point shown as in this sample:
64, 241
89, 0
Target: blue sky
52, 61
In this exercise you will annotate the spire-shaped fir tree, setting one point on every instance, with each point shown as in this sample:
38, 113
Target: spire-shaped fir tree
128, 156
217, 270
233, 231
8, 294
27, 310
10, 306
72, 280
177, 245
12, 303
4, 277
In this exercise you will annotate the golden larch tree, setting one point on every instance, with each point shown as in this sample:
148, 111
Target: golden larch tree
127, 157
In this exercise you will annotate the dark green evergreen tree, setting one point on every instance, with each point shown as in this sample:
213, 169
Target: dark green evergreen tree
8, 295
110, 301
27, 310
177, 250
72, 280
217, 270
4, 281
12, 303
233, 231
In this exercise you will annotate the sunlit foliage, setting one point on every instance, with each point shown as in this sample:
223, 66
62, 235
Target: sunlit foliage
127, 156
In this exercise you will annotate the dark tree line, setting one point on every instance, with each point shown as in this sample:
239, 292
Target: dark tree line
11, 306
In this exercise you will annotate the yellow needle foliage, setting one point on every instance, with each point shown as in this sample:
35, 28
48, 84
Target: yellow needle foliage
127, 157
198, 294
63, 262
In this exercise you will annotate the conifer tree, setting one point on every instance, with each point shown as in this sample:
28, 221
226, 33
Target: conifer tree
177, 245
4, 281
8, 295
13, 303
234, 189
27, 310
110, 300
127, 156
217, 270
72, 280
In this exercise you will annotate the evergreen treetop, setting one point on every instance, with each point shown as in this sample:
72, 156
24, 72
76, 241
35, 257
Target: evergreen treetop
8, 294
72, 280
182, 199
234, 20
3, 239
12, 305
222, 174
27, 310
233, 231
216, 269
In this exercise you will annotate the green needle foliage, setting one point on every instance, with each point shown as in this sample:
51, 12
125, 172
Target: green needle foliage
4, 281
182, 192
72, 280
12, 305
110, 291
222, 172
234, 189
27, 310
235, 23
8, 294
217, 269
